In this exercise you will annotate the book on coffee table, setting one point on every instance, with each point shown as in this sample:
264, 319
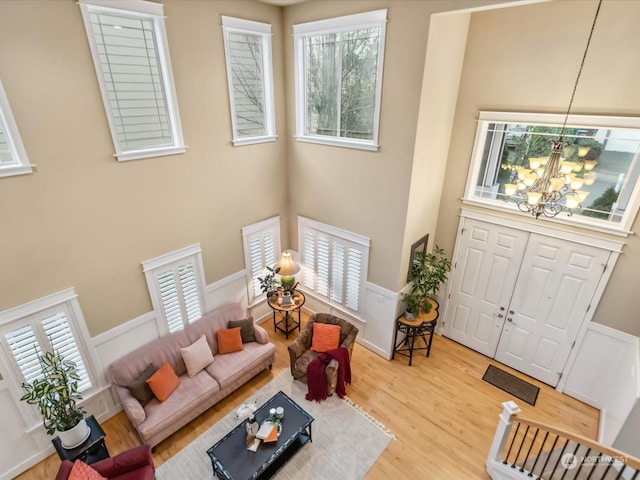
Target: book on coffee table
266, 430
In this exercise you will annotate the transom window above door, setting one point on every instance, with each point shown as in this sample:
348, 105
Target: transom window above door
601, 151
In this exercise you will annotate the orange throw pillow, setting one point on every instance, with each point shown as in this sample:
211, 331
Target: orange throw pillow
229, 340
82, 471
326, 336
163, 382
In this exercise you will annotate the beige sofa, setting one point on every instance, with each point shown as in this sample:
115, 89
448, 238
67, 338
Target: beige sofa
156, 421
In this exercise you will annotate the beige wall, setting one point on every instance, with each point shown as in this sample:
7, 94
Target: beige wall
526, 59
85, 220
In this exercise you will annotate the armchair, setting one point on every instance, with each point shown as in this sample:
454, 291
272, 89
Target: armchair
134, 464
301, 355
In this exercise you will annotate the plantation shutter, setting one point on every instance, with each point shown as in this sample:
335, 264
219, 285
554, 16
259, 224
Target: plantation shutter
25, 349
179, 295
7, 156
58, 331
353, 277
25, 346
262, 254
334, 263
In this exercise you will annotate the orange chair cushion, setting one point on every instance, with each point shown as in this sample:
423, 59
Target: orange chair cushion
325, 337
163, 382
229, 340
82, 471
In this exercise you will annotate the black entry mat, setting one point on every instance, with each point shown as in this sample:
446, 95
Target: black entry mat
511, 384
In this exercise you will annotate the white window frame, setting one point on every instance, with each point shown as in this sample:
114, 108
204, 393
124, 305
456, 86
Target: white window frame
32, 313
621, 228
21, 164
256, 236
153, 11
309, 275
169, 262
377, 18
263, 31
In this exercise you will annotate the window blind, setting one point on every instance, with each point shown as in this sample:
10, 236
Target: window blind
134, 80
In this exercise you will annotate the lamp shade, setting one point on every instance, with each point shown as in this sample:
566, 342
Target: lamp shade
287, 265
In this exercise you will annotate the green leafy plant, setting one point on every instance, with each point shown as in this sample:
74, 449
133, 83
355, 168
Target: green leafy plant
268, 283
428, 272
55, 393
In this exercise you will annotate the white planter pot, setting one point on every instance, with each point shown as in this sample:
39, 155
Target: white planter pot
74, 437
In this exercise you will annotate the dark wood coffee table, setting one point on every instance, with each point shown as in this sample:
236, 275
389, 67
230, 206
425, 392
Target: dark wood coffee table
232, 461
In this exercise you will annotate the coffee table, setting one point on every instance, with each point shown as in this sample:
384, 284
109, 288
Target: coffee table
232, 461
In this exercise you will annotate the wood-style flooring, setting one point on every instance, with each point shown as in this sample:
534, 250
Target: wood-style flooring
442, 413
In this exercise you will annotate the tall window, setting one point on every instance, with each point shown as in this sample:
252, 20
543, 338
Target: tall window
339, 65
49, 324
250, 78
131, 56
176, 286
13, 156
261, 250
334, 263
603, 151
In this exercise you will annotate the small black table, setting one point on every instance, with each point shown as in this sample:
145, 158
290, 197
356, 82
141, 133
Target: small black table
287, 322
419, 327
232, 461
89, 451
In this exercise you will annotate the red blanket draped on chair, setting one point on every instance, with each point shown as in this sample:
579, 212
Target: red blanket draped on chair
317, 378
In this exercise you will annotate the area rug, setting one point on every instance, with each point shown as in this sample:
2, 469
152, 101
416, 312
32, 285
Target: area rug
346, 440
511, 384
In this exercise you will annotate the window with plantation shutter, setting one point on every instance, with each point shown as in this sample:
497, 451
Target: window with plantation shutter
13, 156
176, 286
250, 80
131, 57
46, 325
334, 263
261, 250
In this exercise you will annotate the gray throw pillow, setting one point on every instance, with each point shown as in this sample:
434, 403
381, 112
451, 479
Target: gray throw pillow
139, 387
247, 332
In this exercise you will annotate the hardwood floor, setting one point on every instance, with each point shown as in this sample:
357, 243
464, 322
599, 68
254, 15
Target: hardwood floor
442, 413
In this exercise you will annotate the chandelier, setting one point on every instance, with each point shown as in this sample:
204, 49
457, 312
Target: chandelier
552, 185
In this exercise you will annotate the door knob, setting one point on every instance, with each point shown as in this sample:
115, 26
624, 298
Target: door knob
511, 312
501, 308
499, 315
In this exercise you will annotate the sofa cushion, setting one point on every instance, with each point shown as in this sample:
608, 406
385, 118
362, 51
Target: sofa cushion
231, 367
191, 392
82, 471
229, 340
140, 389
164, 349
325, 337
163, 382
247, 330
216, 320
197, 356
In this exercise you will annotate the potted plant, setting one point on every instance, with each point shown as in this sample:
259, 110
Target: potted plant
412, 304
55, 392
428, 272
268, 283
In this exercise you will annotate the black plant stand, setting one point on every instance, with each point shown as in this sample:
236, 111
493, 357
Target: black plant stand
89, 451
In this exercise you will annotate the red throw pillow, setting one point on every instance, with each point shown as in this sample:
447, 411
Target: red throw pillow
326, 336
229, 340
82, 471
163, 382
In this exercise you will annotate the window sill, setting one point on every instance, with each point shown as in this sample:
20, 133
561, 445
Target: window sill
150, 153
338, 142
15, 170
238, 142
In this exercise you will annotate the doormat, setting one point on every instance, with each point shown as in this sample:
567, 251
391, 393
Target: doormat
511, 384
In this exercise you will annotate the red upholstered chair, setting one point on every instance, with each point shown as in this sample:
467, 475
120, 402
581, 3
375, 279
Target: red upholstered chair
134, 464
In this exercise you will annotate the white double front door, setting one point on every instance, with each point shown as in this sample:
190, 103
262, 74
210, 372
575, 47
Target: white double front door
521, 297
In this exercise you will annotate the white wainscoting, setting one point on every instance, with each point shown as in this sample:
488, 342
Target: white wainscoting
604, 373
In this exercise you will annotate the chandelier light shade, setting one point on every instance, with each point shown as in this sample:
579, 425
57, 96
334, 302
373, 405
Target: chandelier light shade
551, 185
288, 269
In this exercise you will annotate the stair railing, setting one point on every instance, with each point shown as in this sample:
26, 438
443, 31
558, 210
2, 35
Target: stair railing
524, 448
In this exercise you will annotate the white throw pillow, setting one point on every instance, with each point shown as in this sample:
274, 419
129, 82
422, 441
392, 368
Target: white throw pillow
197, 356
